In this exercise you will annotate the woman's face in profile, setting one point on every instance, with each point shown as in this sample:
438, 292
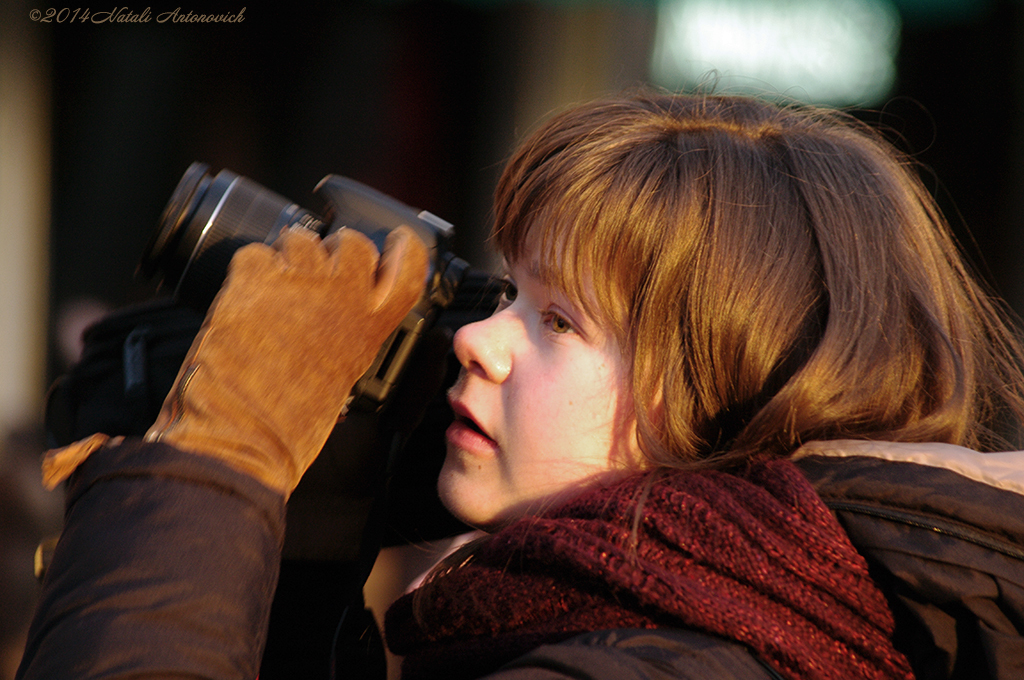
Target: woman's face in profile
542, 407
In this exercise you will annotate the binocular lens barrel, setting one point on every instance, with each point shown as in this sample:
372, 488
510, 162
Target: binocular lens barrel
206, 220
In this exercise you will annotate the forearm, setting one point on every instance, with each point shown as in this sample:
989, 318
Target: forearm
166, 568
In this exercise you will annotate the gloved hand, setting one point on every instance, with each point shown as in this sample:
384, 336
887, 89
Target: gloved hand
292, 329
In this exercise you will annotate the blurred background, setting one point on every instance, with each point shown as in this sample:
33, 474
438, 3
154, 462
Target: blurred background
100, 115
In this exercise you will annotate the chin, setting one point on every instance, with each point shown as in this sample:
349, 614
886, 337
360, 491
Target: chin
453, 492
472, 508
477, 509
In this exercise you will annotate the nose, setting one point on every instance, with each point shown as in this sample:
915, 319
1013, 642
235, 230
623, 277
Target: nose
484, 347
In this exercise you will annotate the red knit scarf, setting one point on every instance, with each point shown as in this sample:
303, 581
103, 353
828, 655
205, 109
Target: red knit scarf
756, 558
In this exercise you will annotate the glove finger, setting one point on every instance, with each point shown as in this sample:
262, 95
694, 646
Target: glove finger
402, 273
300, 248
250, 257
249, 262
333, 240
352, 252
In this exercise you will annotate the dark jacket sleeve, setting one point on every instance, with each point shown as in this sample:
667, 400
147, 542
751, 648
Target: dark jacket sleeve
166, 567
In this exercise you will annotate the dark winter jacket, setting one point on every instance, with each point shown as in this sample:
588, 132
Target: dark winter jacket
942, 528
135, 590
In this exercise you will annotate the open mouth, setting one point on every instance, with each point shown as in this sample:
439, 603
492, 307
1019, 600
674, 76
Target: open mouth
468, 437
471, 424
465, 420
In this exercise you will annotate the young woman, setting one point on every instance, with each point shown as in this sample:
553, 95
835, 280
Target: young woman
696, 287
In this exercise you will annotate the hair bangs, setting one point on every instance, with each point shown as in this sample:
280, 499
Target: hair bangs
572, 214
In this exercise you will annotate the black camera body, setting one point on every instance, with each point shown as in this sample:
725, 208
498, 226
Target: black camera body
209, 217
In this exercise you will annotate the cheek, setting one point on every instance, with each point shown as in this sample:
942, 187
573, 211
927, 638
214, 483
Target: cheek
582, 408
548, 407
608, 411
594, 393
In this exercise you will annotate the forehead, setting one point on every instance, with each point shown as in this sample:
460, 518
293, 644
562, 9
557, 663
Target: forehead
583, 270
541, 264
581, 251
577, 294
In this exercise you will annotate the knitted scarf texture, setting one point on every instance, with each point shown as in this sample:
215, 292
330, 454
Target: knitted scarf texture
756, 558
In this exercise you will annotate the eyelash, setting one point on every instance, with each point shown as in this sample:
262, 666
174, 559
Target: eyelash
558, 323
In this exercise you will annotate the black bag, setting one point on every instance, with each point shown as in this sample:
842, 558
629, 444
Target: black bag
129, 362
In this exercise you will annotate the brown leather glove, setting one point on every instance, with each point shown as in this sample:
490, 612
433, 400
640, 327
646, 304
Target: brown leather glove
292, 329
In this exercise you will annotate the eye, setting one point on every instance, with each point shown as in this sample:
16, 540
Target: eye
559, 324
509, 292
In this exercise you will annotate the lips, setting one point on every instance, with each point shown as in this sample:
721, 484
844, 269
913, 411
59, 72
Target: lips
471, 424
465, 433
463, 415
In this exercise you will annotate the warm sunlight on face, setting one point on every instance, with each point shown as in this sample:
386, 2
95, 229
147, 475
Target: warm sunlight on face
542, 408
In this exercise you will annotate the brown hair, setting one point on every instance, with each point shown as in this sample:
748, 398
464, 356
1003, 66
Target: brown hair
774, 275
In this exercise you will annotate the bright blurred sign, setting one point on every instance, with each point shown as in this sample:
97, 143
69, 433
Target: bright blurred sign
834, 52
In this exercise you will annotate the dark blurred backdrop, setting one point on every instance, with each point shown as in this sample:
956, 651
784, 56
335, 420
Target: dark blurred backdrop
424, 100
